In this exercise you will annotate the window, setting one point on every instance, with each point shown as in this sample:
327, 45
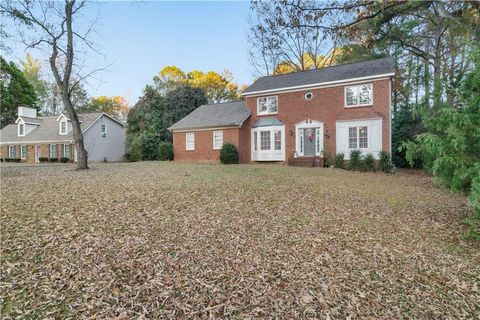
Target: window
255, 141
23, 152
11, 152
103, 130
190, 141
318, 146
308, 96
361, 95
264, 140
302, 143
267, 105
66, 151
53, 151
63, 127
21, 129
278, 139
217, 139
358, 137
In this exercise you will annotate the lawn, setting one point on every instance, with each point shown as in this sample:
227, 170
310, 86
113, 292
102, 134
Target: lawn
165, 240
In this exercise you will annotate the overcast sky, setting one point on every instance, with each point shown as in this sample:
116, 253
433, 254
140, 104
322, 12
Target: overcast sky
139, 38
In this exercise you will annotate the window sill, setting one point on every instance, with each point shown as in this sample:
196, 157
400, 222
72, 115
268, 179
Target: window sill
266, 114
359, 106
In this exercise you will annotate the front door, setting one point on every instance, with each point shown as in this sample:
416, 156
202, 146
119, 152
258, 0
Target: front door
309, 142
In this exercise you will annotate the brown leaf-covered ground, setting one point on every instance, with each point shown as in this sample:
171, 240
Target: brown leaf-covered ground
164, 240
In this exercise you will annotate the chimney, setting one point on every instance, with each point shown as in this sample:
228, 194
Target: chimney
27, 112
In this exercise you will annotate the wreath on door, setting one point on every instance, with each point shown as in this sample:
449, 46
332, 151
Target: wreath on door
309, 135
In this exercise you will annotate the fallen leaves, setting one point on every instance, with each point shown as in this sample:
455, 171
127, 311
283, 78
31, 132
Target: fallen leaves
166, 240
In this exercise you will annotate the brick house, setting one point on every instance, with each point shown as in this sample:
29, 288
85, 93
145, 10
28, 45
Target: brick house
296, 118
32, 137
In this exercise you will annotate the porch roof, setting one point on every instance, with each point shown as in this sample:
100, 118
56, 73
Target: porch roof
267, 122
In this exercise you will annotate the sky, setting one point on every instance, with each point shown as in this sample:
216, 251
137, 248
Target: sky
138, 38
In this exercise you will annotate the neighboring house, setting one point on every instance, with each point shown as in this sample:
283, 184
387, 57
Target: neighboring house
296, 117
33, 137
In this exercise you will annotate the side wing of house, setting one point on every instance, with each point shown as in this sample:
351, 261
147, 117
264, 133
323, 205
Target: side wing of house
105, 140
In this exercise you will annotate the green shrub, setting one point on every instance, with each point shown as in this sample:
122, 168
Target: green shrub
370, 162
8, 159
229, 154
356, 162
385, 162
53, 159
64, 160
43, 159
339, 162
165, 151
16, 160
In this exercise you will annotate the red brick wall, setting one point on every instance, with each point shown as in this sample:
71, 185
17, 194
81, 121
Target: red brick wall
44, 152
327, 106
204, 151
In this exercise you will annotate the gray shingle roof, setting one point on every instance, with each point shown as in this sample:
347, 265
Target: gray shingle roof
317, 76
227, 114
267, 122
47, 131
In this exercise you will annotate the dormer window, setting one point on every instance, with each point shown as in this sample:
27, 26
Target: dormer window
63, 127
21, 129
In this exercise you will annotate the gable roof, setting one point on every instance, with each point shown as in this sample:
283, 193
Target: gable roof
227, 114
339, 73
48, 130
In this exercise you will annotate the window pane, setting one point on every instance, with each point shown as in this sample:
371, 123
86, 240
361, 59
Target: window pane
278, 140
301, 140
352, 137
217, 139
63, 128
67, 151
255, 145
21, 129
272, 104
264, 140
190, 144
351, 96
363, 137
365, 95
317, 141
262, 105
24, 151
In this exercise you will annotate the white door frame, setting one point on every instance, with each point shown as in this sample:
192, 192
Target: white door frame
37, 150
308, 124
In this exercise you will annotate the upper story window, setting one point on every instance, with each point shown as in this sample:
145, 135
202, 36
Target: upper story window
190, 141
267, 105
63, 127
103, 130
361, 95
21, 129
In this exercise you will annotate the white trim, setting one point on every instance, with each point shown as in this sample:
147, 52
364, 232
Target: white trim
37, 151
213, 136
390, 116
21, 152
14, 152
33, 142
50, 147
60, 128
374, 136
267, 113
356, 105
319, 84
205, 129
64, 147
18, 129
299, 136
186, 141
61, 115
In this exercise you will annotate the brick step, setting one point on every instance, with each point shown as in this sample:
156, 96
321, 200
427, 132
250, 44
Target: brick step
306, 162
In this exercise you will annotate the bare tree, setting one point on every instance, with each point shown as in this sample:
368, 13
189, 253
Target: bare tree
54, 31
282, 36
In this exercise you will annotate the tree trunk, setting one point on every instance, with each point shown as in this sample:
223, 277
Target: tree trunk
82, 155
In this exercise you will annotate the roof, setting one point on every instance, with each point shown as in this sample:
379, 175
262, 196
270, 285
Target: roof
47, 131
267, 122
227, 114
337, 73
32, 120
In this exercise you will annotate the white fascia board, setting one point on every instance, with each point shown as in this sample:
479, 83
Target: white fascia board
319, 85
205, 129
35, 142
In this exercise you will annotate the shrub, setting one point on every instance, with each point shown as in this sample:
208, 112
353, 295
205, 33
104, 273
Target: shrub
64, 160
8, 159
165, 151
385, 162
355, 160
16, 160
229, 154
43, 159
53, 159
339, 162
370, 162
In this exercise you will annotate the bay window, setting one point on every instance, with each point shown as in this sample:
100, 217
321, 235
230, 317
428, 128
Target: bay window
268, 143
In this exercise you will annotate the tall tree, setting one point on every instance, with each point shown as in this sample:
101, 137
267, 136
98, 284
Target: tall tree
115, 106
15, 91
53, 29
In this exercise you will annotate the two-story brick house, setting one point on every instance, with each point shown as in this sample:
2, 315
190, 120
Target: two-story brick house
296, 117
